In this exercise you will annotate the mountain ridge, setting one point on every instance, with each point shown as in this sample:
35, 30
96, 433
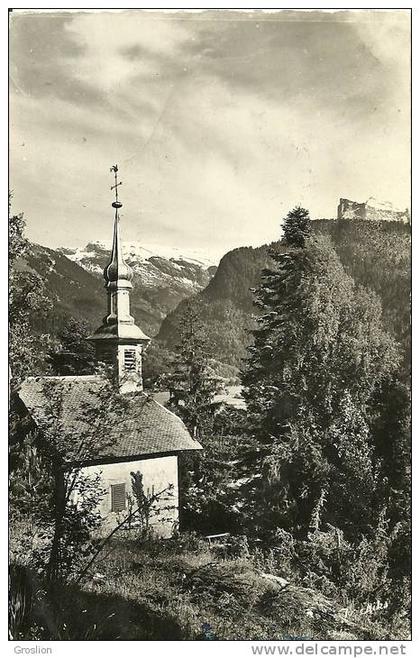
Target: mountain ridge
75, 284
375, 254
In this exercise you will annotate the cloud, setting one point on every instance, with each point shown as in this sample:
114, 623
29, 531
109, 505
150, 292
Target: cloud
220, 121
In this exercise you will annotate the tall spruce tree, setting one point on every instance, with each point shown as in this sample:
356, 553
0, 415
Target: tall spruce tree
296, 227
319, 354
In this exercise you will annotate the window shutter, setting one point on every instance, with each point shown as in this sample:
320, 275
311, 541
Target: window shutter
129, 360
118, 500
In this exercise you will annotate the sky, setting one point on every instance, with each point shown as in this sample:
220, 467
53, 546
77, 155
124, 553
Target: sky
220, 121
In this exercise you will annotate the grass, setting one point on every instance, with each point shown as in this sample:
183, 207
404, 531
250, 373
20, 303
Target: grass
164, 591
183, 589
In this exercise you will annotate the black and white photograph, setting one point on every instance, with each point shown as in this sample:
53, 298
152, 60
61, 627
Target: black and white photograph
209, 330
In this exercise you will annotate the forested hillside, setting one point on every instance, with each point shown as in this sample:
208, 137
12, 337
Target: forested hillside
71, 291
375, 254
378, 256
225, 305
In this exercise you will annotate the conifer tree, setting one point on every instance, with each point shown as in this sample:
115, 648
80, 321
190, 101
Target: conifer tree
296, 227
319, 354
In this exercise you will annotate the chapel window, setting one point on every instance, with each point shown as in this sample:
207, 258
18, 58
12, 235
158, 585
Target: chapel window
118, 497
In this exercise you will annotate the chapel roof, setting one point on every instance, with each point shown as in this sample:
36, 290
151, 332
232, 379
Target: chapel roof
145, 427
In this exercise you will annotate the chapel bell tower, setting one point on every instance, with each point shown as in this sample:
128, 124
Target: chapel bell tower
119, 341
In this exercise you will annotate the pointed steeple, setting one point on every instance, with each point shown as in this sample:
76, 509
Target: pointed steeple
119, 341
117, 269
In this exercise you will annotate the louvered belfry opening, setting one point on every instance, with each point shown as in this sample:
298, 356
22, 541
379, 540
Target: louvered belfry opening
130, 360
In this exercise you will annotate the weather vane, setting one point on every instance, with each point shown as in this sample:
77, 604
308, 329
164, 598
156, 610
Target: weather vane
116, 203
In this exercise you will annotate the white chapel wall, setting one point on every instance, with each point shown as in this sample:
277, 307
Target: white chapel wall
158, 473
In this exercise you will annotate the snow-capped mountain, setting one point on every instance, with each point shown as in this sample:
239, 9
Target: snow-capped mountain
163, 276
137, 252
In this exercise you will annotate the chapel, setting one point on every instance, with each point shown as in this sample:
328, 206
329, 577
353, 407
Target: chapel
143, 439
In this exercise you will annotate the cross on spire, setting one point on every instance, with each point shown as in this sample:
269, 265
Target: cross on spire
116, 204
